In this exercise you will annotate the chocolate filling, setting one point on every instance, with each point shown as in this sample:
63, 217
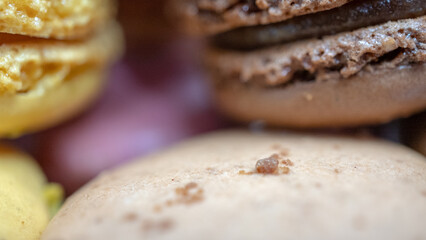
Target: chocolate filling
390, 45
356, 14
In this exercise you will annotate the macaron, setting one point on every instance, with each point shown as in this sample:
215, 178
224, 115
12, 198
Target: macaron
54, 58
69, 19
46, 81
312, 64
27, 200
242, 185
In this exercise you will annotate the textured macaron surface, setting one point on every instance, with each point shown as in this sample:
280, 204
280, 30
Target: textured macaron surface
367, 76
65, 19
311, 64
46, 81
351, 16
241, 185
26, 61
343, 55
211, 17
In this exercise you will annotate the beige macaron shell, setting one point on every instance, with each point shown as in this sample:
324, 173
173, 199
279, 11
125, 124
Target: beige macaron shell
328, 188
367, 98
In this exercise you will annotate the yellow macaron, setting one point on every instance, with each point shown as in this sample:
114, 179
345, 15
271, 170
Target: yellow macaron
45, 81
65, 19
53, 58
27, 201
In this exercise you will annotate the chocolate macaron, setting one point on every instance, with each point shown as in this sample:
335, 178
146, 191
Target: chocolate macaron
327, 63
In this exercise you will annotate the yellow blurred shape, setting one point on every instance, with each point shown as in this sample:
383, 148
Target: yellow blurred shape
27, 201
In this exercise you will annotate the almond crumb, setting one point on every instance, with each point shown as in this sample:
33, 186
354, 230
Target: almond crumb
287, 162
284, 170
267, 165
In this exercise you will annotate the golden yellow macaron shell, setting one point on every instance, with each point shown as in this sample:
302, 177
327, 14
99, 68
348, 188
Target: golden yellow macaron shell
48, 105
43, 82
62, 19
26, 199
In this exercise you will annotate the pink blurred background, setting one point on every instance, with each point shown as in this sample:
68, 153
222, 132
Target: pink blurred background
156, 96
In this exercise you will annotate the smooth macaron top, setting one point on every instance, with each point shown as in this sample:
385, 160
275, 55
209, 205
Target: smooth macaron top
241, 185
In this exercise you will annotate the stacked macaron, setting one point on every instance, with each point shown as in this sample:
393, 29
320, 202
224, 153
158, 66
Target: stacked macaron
291, 63
326, 63
54, 56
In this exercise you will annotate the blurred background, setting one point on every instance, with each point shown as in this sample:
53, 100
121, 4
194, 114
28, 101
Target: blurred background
154, 97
